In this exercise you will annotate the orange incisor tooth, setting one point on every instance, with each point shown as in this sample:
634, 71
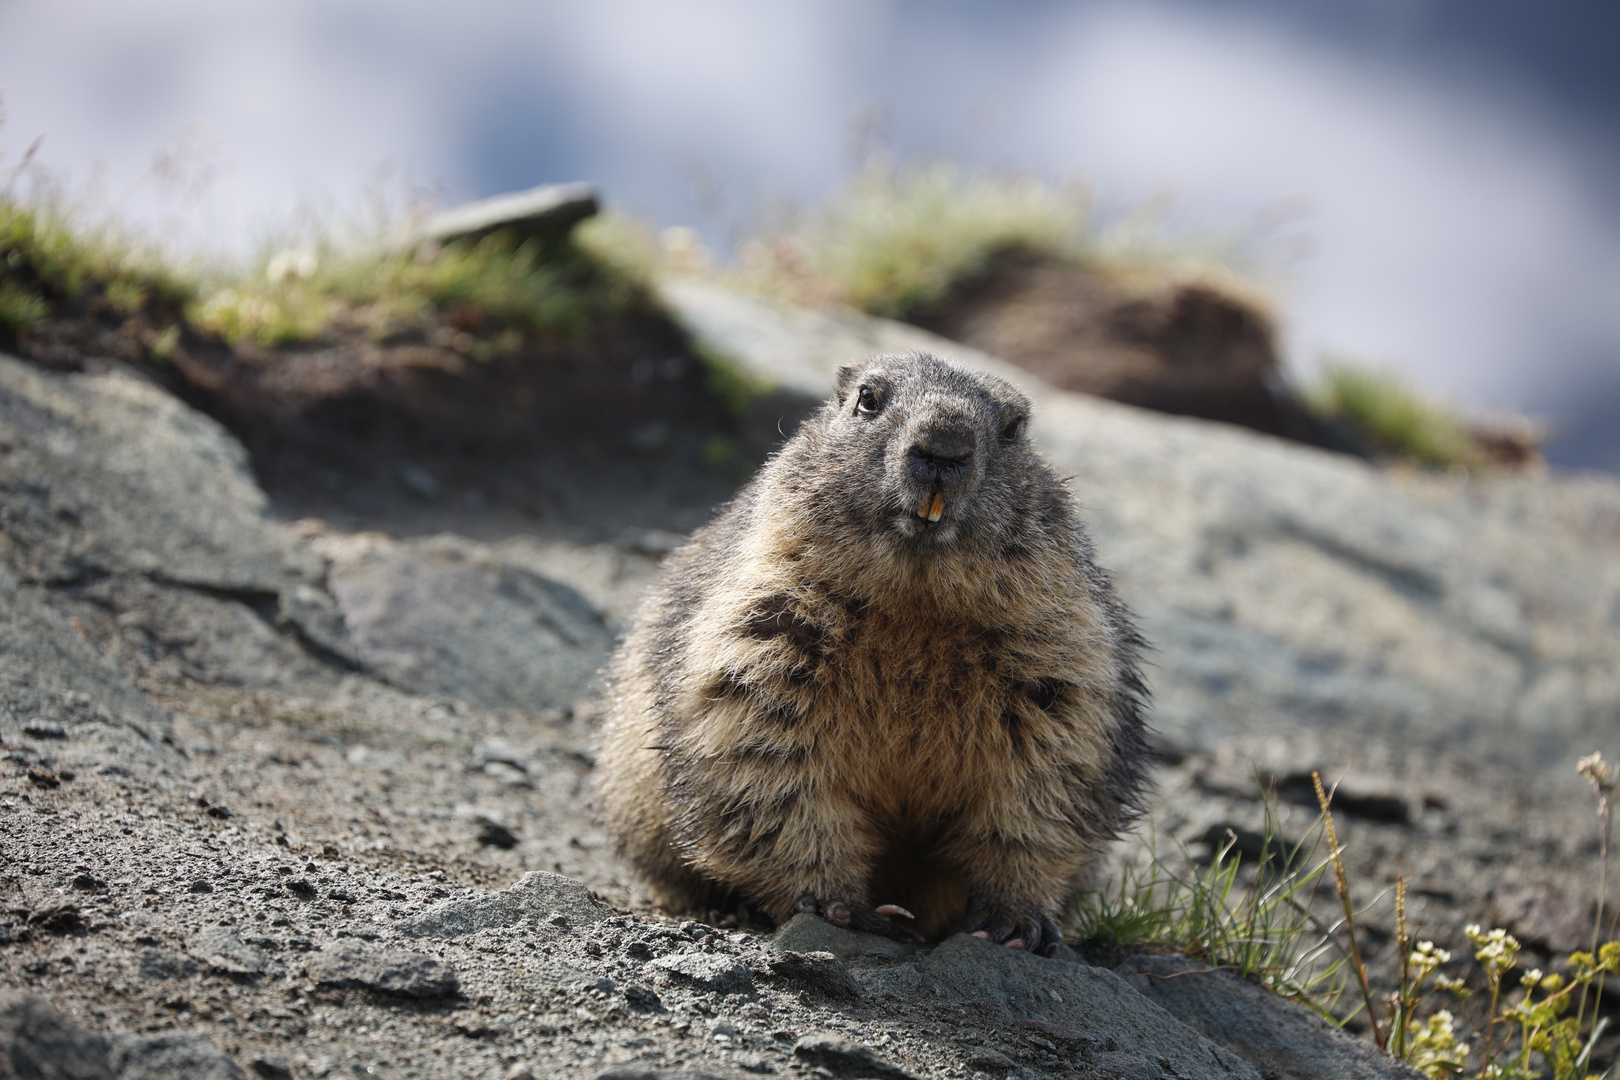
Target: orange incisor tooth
927, 503
937, 510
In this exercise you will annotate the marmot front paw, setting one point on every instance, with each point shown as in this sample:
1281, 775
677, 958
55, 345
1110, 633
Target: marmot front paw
1031, 930
872, 920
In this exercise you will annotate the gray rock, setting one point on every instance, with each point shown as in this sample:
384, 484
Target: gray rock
391, 971
451, 617
896, 981
546, 212
995, 1060
819, 972
39, 1043
806, 933
141, 518
712, 971
566, 978
318, 620
271, 1067
1007, 985
107, 474
630, 1072
189, 634
534, 899
841, 1057
49, 674
1545, 917
163, 964
172, 1056
1284, 586
225, 953
1276, 1036
1117, 1065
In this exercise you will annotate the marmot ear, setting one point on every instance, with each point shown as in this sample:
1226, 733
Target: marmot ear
847, 374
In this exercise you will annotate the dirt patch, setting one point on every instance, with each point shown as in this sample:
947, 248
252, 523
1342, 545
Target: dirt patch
448, 425
1187, 348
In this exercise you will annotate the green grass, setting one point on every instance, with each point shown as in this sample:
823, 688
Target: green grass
1258, 921
495, 284
1385, 411
53, 264
1254, 919
48, 263
896, 239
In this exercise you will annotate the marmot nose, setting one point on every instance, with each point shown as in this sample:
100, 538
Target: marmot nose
941, 457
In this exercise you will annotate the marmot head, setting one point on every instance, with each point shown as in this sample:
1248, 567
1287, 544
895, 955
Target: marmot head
930, 456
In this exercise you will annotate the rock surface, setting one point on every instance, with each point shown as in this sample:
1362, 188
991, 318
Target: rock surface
192, 1055
537, 897
104, 474
841, 1057
722, 974
1012, 985
818, 972
38, 1043
1289, 588
388, 971
251, 773
546, 212
450, 617
1283, 1040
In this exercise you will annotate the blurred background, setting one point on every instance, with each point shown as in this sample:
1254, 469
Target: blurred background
1432, 185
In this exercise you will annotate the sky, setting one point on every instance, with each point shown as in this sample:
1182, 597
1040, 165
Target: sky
1439, 180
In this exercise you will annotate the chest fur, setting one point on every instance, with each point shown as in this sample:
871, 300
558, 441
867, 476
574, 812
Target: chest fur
909, 710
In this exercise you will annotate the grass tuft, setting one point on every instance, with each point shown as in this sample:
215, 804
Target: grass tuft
51, 263
1258, 922
1253, 919
1383, 409
896, 239
492, 285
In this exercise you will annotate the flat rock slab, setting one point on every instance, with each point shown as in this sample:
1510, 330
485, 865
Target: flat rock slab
389, 971
535, 898
820, 972
892, 981
191, 633
52, 680
1010, 985
451, 617
712, 971
1276, 1036
107, 474
546, 212
806, 933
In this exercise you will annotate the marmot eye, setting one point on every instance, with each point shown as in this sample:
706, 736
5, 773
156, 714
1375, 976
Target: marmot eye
867, 400
1013, 429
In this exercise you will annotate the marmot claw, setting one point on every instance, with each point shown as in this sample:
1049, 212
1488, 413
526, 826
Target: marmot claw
1035, 932
873, 921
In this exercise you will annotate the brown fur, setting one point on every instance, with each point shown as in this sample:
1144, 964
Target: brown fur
825, 696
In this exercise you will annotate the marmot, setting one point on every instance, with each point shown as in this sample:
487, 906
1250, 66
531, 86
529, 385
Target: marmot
888, 675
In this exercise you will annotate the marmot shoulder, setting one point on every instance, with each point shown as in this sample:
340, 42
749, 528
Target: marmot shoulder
888, 683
